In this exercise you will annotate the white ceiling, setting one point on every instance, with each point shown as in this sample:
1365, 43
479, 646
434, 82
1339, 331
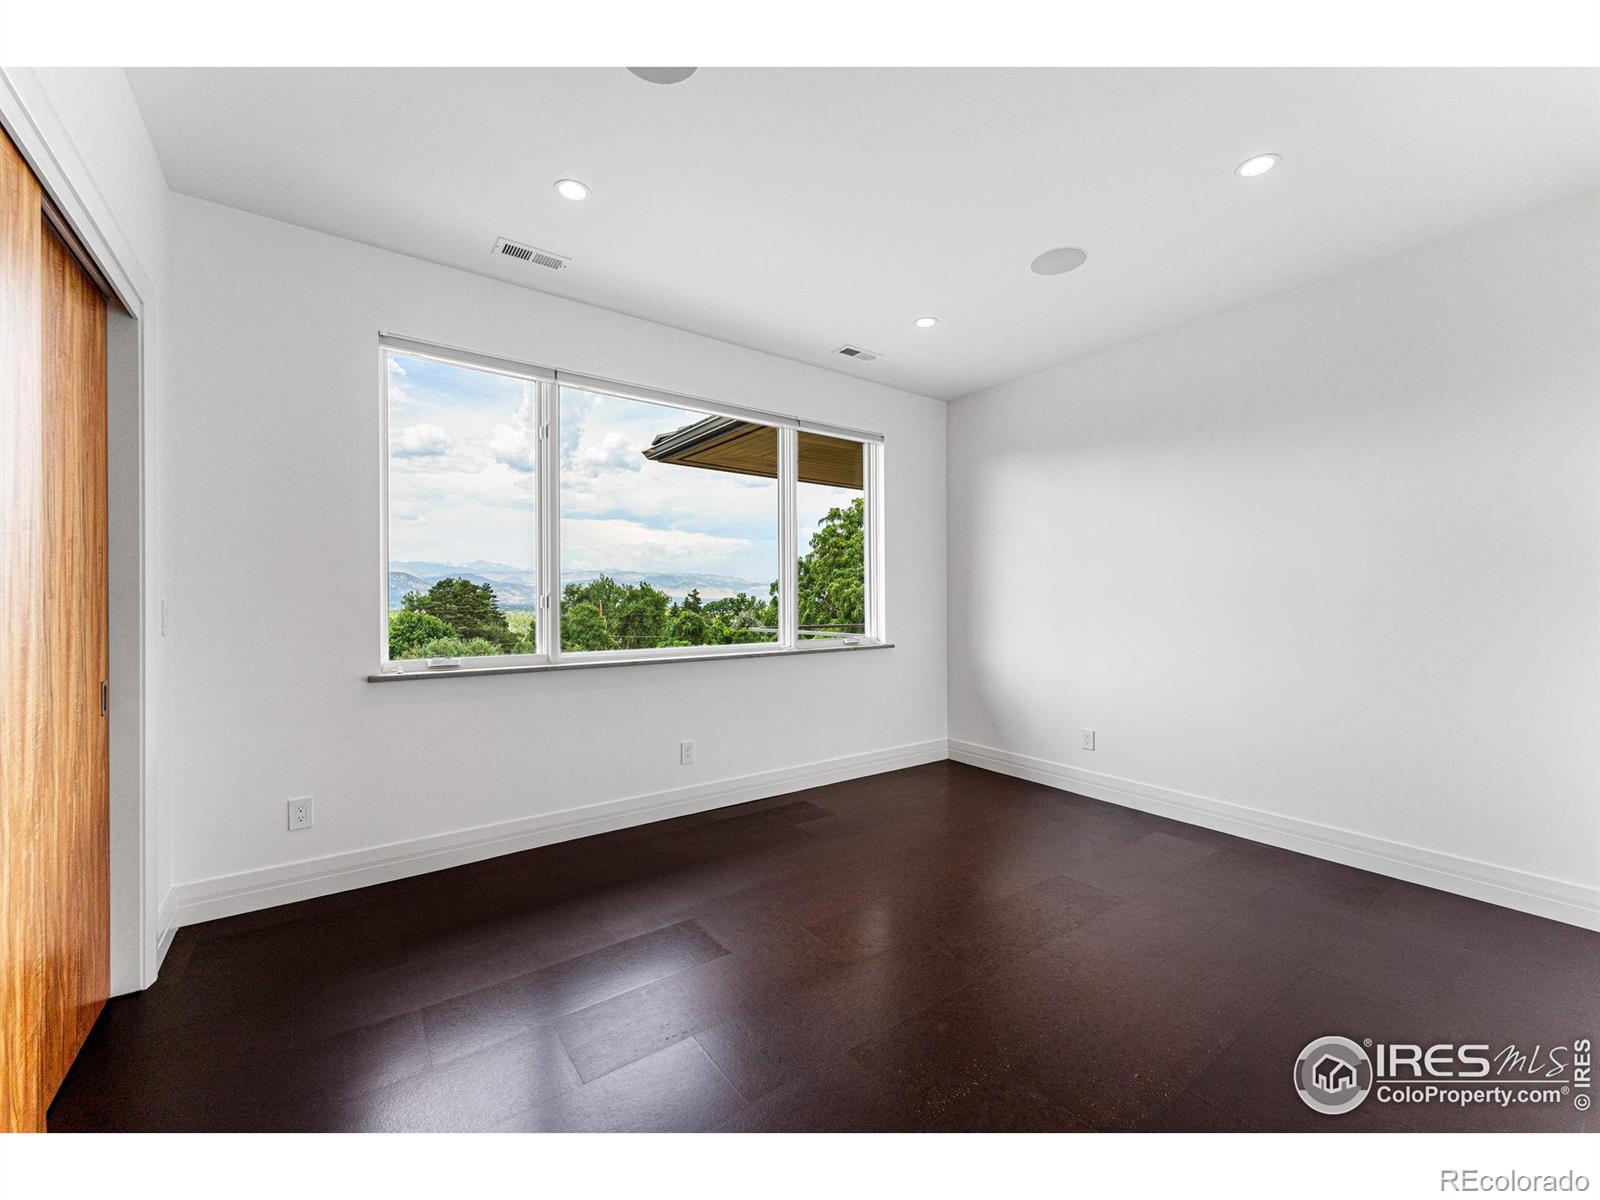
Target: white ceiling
796, 210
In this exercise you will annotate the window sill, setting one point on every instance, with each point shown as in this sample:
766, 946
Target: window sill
588, 664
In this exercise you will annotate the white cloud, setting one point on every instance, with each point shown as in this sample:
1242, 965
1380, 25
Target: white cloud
517, 444
419, 441
462, 483
611, 452
572, 423
628, 513
621, 545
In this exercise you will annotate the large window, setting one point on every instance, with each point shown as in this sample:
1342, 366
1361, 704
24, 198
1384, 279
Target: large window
536, 518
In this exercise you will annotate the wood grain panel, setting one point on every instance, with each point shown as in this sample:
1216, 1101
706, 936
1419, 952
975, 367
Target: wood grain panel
75, 825
23, 713
54, 771
831, 461
746, 448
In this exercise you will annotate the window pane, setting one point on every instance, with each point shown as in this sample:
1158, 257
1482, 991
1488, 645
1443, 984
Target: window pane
669, 526
462, 503
830, 511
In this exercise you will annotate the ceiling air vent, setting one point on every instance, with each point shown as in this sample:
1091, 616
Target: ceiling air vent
857, 353
531, 254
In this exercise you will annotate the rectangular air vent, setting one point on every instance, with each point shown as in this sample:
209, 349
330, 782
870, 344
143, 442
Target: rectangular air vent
857, 353
532, 255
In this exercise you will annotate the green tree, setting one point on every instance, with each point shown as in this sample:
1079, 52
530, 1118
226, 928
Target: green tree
524, 627
690, 628
584, 628
736, 620
471, 609
832, 581
455, 647
604, 592
409, 629
603, 614
687, 624
642, 621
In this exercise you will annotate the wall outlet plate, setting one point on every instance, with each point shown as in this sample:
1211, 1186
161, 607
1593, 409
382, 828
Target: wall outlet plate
1088, 739
686, 753
302, 814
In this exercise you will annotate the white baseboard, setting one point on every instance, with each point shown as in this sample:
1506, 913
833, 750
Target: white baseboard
167, 922
1557, 899
153, 955
229, 895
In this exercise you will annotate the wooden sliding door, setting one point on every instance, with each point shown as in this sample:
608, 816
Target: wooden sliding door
75, 828
54, 773
23, 728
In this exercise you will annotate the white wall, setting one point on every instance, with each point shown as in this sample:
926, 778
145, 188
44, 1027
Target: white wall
92, 150
1321, 569
275, 543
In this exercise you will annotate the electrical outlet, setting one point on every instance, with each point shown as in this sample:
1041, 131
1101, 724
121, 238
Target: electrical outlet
166, 619
1088, 739
686, 753
301, 813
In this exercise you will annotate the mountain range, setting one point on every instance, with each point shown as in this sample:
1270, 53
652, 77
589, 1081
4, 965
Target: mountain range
515, 588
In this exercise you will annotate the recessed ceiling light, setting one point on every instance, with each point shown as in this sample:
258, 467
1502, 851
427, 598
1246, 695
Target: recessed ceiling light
663, 75
571, 189
1259, 165
1059, 261
927, 322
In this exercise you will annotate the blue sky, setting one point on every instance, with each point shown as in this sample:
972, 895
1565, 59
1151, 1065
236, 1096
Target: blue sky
462, 488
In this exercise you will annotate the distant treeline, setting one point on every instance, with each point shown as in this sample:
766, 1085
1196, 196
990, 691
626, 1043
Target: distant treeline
456, 618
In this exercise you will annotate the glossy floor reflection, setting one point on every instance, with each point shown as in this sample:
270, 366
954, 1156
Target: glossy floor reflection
939, 948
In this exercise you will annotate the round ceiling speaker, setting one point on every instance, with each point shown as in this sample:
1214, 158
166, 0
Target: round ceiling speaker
663, 74
1059, 261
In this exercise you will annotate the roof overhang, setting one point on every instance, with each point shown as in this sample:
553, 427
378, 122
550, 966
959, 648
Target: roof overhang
747, 448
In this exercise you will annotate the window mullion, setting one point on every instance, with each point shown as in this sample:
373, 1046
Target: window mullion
788, 538
550, 520
383, 503
872, 531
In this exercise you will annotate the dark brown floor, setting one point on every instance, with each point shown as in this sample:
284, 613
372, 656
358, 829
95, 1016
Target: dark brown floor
935, 949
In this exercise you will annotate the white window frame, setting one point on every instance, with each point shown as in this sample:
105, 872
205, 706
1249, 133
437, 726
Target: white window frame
547, 518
